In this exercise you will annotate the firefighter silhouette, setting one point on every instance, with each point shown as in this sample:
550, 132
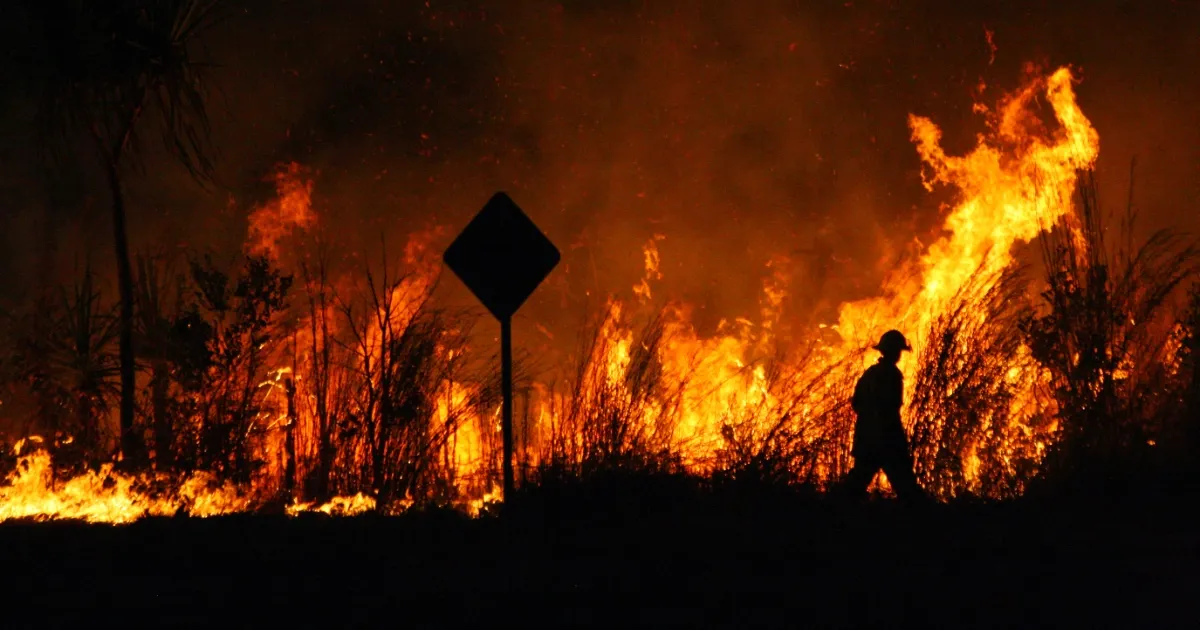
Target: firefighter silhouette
879, 439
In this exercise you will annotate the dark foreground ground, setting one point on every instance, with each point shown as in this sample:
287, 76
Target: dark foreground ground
731, 561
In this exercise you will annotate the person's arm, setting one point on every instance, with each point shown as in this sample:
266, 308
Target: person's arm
859, 400
894, 396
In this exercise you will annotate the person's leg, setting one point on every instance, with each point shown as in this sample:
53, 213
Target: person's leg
859, 477
899, 470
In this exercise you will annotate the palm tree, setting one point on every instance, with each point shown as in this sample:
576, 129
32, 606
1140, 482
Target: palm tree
116, 69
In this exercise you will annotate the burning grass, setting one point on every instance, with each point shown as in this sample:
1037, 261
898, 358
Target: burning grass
971, 431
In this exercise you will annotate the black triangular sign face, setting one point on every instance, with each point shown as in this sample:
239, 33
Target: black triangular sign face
501, 256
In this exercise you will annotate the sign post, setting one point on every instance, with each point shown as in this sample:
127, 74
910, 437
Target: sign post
501, 256
506, 394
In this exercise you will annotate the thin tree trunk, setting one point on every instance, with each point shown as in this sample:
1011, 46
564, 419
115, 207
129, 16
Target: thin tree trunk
131, 450
130, 444
164, 446
289, 474
90, 437
319, 328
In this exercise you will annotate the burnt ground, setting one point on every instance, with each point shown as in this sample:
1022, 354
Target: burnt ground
644, 559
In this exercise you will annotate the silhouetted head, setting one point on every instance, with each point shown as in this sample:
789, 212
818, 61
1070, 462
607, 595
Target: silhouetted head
891, 344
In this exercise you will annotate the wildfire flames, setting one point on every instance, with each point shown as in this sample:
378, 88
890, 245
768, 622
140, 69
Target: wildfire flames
709, 395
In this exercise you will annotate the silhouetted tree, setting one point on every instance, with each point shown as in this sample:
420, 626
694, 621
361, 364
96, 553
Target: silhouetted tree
159, 308
115, 68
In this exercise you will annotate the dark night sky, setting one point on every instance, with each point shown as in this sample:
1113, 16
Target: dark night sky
738, 129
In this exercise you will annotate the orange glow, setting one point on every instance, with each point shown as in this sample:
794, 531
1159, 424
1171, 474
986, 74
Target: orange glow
743, 385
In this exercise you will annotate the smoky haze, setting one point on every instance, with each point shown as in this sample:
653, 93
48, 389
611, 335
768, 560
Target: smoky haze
739, 130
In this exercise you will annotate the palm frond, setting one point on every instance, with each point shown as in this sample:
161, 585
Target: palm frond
114, 64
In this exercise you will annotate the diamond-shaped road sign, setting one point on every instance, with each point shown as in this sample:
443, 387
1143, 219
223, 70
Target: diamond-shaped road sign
501, 256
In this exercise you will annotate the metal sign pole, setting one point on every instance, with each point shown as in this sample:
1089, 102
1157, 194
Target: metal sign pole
502, 257
506, 390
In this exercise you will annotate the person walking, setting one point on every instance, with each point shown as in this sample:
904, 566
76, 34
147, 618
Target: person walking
879, 439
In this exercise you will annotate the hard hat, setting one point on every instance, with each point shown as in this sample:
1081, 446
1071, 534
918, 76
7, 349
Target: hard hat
892, 340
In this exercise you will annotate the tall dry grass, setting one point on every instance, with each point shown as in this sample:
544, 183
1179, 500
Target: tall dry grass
1104, 333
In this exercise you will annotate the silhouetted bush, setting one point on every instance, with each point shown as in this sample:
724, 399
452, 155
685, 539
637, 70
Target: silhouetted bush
1104, 334
617, 412
798, 432
63, 350
237, 320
